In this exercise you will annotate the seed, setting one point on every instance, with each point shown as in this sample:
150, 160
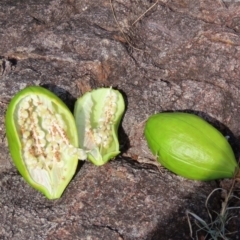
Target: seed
97, 138
27, 123
48, 137
108, 127
41, 159
42, 112
28, 143
26, 154
55, 146
105, 143
25, 104
35, 100
40, 134
46, 123
60, 120
42, 143
58, 139
21, 121
50, 156
26, 134
24, 113
34, 118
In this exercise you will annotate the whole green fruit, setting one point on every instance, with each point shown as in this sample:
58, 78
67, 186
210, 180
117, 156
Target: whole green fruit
189, 146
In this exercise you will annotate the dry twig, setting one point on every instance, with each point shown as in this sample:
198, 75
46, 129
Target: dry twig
145, 12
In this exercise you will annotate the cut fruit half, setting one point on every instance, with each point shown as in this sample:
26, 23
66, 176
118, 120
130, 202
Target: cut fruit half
97, 115
42, 139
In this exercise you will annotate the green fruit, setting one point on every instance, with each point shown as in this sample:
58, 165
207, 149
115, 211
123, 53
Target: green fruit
42, 139
189, 146
98, 114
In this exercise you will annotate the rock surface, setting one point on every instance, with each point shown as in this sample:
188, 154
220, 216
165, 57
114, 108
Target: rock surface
181, 55
121, 200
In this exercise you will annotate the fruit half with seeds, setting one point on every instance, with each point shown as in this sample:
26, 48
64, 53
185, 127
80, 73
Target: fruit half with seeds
98, 114
42, 139
189, 146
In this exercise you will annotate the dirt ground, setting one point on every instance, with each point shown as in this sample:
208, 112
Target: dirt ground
166, 55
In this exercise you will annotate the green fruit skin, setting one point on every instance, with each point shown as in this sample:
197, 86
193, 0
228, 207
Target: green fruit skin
189, 146
14, 143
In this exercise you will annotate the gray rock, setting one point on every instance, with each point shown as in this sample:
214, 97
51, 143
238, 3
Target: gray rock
181, 56
120, 200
